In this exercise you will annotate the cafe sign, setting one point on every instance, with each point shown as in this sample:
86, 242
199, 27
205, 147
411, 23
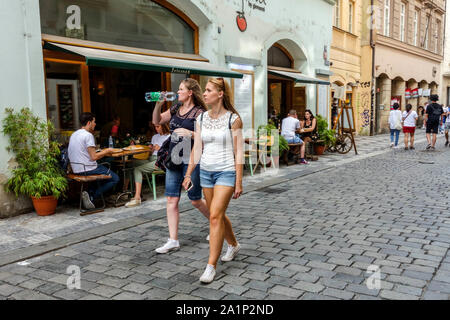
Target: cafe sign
241, 21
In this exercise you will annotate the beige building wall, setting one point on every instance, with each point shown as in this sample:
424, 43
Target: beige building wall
345, 53
408, 52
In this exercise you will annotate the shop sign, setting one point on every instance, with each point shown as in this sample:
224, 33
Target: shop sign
177, 70
426, 93
258, 4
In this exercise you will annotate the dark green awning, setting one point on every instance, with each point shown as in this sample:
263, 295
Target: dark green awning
297, 77
123, 60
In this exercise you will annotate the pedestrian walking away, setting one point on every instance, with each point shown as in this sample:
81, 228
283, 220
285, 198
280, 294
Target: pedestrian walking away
395, 124
218, 146
433, 119
181, 118
409, 119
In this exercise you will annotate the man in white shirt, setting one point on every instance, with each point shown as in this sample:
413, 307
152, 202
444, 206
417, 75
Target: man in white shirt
83, 159
289, 127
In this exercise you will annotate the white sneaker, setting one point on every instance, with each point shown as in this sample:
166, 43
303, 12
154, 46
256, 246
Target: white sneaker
231, 253
392, 144
133, 203
209, 274
207, 238
87, 201
169, 246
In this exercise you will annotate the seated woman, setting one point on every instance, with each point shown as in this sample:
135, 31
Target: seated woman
308, 127
158, 139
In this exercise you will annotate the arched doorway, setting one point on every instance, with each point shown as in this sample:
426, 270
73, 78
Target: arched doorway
283, 94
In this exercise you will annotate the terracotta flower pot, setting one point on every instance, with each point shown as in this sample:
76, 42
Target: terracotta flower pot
45, 206
319, 149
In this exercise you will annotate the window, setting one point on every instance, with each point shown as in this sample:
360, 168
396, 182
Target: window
427, 31
140, 24
337, 13
350, 17
387, 17
402, 21
437, 37
416, 26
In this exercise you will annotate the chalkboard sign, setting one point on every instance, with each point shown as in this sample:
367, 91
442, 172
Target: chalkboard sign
65, 104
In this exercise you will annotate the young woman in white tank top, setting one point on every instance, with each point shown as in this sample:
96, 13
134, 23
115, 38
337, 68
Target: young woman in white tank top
218, 145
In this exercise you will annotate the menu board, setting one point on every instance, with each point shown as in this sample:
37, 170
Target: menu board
243, 99
65, 104
322, 100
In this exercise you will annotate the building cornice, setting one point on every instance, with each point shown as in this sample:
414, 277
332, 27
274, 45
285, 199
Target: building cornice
331, 2
402, 46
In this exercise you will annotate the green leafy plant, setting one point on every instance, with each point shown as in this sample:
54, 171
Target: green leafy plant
37, 173
267, 130
326, 136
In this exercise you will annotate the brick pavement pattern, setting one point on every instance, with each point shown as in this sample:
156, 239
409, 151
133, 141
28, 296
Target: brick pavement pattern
312, 237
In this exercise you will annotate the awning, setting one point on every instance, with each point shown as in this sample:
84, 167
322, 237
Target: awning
297, 77
116, 59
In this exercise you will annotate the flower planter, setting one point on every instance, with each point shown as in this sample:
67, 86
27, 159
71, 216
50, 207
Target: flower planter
45, 206
319, 149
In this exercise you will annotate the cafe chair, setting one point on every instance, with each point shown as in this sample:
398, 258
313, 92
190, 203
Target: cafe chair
82, 179
152, 185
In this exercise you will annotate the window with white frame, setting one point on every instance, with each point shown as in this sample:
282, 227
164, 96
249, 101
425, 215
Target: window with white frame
416, 26
427, 31
350, 17
387, 17
402, 21
437, 37
337, 14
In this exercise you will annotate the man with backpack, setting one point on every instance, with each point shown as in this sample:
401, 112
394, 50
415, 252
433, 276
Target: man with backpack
433, 118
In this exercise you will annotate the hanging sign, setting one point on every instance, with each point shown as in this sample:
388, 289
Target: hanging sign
240, 19
408, 94
415, 93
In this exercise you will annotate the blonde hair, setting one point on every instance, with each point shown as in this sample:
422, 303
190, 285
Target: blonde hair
192, 84
222, 85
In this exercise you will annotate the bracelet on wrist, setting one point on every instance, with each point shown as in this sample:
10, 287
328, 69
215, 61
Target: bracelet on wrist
187, 176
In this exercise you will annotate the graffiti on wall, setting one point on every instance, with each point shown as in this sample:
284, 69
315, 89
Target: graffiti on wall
365, 107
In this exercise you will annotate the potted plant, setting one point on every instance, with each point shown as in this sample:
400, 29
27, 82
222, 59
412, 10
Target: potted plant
270, 132
326, 136
37, 173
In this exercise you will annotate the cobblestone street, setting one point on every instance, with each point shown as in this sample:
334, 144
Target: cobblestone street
312, 236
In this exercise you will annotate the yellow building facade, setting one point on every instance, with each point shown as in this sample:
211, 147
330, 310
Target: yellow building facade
351, 60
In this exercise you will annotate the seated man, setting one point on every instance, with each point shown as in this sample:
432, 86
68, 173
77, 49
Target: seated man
289, 127
83, 159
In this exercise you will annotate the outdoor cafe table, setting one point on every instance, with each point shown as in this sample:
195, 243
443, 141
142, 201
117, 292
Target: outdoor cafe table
122, 155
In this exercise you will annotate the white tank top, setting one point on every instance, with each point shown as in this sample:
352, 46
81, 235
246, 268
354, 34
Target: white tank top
218, 152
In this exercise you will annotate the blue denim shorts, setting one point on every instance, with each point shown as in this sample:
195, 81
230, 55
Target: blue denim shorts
296, 139
209, 179
174, 179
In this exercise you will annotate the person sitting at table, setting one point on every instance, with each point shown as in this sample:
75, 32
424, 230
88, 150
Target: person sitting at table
158, 139
308, 127
150, 132
83, 159
289, 127
112, 129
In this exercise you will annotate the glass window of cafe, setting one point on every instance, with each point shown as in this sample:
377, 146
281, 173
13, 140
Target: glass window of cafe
110, 92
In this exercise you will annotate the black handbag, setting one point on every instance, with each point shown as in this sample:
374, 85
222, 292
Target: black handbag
164, 156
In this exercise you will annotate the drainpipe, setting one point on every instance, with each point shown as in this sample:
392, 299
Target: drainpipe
372, 96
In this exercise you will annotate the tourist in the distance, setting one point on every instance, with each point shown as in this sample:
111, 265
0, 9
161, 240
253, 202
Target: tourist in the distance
409, 118
395, 124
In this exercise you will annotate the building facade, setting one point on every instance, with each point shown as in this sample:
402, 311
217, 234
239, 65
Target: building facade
408, 54
351, 58
445, 68
65, 57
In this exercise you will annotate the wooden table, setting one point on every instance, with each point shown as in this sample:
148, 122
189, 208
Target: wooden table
123, 155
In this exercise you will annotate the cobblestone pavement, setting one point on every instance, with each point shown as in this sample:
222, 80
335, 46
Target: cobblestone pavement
30, 229
310, 237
